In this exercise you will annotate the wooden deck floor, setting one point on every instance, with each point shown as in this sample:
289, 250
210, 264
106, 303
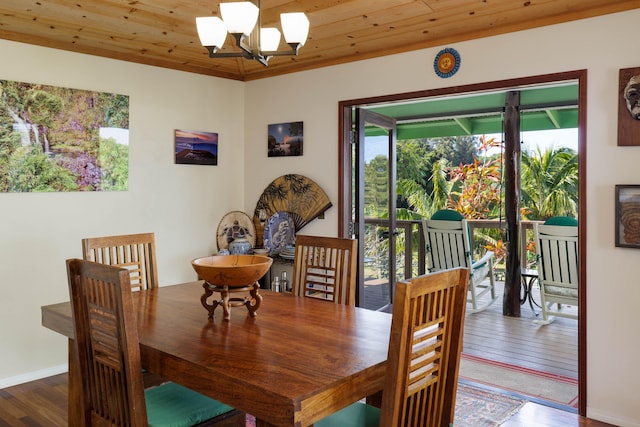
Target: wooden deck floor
516, 340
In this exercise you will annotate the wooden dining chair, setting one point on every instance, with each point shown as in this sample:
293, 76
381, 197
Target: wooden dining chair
109, 363
423, 358
448, 243
325, 268
557, 256
135, 252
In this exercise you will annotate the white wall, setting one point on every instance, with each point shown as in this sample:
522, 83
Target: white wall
182, 204
602, 46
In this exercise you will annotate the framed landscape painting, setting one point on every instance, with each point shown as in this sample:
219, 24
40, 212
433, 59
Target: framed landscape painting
56, 139
285, 139
196, 148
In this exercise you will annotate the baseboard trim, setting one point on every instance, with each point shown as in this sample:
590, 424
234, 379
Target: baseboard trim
32, 376
607, 417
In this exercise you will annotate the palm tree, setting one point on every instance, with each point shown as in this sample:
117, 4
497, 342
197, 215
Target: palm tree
549, 183
420, 203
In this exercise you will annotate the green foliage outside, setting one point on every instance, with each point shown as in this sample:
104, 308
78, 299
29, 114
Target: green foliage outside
462, 176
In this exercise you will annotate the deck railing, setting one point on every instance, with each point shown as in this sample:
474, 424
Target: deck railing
412, 253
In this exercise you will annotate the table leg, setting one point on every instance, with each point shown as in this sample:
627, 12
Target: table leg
76, 399
527, 287
375, 399
531, 300
531, 295
525, 290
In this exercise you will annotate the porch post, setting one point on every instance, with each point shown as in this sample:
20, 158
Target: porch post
511, 297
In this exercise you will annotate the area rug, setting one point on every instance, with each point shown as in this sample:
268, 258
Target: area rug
539, 386
475, 407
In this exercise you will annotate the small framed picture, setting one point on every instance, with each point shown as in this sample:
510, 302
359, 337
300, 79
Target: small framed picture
628, 216
196, 148
285, 139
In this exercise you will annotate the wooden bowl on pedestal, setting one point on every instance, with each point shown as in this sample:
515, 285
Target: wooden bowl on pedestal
234, 271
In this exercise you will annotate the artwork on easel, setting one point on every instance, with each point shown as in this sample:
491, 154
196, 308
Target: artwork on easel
629, 107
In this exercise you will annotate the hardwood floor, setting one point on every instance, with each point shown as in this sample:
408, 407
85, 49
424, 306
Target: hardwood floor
534, 415
43, 403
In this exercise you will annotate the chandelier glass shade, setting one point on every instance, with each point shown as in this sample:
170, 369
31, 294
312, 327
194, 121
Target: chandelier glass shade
242, 21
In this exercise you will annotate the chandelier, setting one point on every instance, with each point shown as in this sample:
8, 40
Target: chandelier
240, 19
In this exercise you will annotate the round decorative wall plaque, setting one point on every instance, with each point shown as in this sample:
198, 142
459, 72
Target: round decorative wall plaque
235, 224
447, 62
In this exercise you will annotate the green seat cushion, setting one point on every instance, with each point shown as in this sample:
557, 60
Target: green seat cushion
562, 220
357, 415
172, 405
447, 215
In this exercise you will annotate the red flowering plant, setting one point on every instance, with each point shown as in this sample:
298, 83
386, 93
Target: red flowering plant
476, 187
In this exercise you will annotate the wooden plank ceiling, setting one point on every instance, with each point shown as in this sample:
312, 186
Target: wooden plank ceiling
162, 32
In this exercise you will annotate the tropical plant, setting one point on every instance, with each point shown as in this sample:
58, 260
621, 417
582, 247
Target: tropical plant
548, 187
376, 177
476, 186
420, 203
549, 183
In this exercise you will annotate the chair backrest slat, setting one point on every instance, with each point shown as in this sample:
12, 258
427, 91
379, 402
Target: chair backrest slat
325, 268
557, 248
557, 258
448, 243
424, 350
135, 252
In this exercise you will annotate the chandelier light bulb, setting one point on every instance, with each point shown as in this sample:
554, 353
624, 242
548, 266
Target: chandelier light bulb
241, 20
211, 30
295, 27
239, 17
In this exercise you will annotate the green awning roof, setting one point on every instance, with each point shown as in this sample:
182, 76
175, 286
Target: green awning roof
542, 108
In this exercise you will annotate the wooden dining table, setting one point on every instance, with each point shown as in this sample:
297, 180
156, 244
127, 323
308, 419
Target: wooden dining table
297, 361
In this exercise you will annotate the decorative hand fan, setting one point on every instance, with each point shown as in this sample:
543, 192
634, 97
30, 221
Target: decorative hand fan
297, 195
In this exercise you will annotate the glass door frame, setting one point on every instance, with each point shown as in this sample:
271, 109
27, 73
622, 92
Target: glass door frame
345, 138
363, 118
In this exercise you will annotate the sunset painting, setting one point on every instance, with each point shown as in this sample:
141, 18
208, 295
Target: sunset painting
196, 148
